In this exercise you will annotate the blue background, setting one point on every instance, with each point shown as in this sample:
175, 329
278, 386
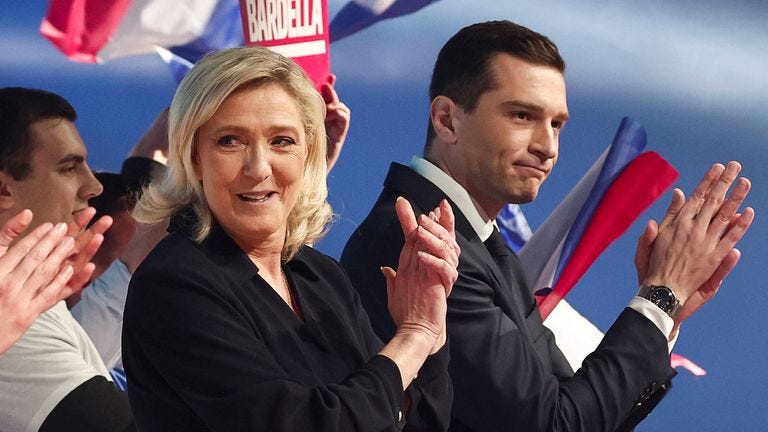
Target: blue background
693, 72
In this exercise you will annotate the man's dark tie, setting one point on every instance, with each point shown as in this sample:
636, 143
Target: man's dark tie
511, 270
500, 253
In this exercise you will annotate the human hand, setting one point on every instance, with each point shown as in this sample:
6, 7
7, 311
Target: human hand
693, 249
337, 118
426, 272
154, 143
33, 274
87, 242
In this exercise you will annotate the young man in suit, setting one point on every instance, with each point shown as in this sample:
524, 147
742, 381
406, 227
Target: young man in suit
498, 104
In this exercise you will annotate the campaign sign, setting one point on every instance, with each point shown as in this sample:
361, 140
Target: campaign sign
294, 28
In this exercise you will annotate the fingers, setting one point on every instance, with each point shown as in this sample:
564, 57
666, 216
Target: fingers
726, 265
83, 256
675, 205
644, 248
78, 281
433, 238
736, 230
44, 260
329, 94
406, 216
13, 228
43, 239
389, 276
727, 211
702, 190
443, 269
101, 226
80, 221
54, 291
446, 217
716, 196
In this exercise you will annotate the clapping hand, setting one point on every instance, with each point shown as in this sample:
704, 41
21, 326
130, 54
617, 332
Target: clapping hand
426, 272
693, 249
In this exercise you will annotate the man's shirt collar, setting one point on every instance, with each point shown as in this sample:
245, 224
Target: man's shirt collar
480, 222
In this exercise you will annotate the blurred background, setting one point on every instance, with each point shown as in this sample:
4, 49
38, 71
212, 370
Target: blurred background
692, 72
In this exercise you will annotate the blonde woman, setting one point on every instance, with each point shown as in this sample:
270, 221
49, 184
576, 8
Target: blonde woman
232, 323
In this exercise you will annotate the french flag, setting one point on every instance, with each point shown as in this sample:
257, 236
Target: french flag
181, 32
618, 187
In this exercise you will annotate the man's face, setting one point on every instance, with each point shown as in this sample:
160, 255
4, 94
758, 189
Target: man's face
59, 182
507, 146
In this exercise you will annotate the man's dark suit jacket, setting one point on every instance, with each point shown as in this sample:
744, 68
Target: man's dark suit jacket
507, 372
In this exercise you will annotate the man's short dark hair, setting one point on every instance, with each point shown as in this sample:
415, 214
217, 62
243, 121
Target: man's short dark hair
462, 70
19, 109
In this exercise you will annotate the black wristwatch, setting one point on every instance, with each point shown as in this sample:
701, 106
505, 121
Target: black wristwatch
661, 296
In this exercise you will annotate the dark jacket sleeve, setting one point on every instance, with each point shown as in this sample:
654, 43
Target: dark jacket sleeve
431, 393
500, 381
95, 405
193, 358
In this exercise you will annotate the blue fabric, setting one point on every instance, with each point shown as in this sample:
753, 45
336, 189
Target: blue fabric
119, 378
353, 17
629, 142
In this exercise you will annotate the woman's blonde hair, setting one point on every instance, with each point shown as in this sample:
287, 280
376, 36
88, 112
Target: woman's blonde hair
198, 97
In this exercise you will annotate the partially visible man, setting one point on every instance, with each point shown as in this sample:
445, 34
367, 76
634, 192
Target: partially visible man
53, 377
498, 104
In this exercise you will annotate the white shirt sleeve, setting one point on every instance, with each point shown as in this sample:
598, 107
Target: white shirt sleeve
100, 312
52, 358
656, 316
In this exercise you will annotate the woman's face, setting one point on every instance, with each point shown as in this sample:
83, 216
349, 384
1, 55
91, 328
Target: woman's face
250, 158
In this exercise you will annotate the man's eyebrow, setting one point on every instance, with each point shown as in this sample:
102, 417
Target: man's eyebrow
71, 158
563, 116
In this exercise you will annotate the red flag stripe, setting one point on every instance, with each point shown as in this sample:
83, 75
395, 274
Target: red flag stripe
639, 185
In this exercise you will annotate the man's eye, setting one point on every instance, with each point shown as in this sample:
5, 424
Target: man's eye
68, 169
521, 115
557, 124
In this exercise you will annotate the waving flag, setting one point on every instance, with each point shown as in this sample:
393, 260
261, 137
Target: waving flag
596, 212
621, 184
359, 14
183, 31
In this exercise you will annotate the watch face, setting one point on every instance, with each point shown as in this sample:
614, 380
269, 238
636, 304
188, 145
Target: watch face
662, 297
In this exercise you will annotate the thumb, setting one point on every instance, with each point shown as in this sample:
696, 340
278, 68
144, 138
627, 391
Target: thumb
644, 247
389, 275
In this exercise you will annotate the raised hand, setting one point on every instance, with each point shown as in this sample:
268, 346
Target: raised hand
337, 118
33, 274
426, 272
693, 249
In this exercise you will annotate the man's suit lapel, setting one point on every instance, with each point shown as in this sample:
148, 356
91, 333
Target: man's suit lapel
425, 196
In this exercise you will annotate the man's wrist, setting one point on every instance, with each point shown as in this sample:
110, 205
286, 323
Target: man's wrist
662, 296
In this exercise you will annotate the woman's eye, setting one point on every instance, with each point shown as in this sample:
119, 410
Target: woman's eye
228, 141
283, 141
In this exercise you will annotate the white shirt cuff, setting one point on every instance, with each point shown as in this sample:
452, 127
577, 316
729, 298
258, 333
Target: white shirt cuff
657, 316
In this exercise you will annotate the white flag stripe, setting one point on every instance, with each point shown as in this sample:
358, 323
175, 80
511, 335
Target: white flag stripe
300, 49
